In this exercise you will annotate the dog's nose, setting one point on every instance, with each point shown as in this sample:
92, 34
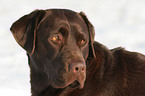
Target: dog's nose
78, 67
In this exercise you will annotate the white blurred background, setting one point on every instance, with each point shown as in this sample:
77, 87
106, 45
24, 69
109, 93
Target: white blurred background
117, 23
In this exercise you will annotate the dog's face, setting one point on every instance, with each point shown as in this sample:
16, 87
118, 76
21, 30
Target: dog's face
62, 41
58, 43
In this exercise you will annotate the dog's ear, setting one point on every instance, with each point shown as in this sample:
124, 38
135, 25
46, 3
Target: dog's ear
91, 35
24, 30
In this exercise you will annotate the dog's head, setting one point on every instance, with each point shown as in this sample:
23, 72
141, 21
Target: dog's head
58, 43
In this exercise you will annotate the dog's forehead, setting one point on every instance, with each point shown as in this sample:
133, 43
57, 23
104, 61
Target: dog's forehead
57, 17
63, 14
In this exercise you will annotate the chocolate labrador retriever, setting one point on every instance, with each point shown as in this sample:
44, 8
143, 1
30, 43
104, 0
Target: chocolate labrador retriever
65, 60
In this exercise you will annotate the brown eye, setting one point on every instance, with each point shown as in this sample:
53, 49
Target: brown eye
82, 42
55, 38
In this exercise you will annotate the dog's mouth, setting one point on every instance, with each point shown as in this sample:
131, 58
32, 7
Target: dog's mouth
75, 84
69, 80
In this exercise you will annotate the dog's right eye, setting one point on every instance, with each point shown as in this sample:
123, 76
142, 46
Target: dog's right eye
56, 39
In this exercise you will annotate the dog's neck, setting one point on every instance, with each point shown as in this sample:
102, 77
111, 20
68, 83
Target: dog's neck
50, 91
101, 65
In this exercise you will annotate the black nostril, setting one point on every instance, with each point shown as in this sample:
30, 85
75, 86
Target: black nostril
77, 69
83, 69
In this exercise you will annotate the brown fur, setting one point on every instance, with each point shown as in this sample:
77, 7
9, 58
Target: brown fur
115, 72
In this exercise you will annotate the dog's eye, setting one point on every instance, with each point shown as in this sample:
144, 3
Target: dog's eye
82, 42
55, 38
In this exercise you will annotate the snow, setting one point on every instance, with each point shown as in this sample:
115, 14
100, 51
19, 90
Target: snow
117, 23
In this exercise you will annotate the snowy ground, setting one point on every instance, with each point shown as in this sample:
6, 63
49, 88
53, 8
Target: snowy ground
117, 23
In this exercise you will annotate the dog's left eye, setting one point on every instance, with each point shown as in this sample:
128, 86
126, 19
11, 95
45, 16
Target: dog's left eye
82, 42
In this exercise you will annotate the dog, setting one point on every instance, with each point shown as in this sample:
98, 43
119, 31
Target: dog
65, 60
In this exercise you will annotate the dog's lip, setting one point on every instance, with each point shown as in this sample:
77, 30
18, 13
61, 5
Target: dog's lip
72, 82
76, 84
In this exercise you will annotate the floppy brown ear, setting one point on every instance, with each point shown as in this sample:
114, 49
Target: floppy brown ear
91, 35
24, 30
